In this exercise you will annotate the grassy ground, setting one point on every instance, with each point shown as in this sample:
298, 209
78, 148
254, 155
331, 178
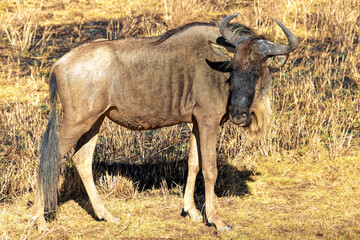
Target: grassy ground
284, 202
299, 182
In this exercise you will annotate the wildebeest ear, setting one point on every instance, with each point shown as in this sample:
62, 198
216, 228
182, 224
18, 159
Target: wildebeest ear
220, 50
277, 61
220, 66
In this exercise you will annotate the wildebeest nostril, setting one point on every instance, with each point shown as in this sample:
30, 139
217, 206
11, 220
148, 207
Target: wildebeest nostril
242, 117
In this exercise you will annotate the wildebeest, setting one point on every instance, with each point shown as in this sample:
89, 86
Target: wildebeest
194, 74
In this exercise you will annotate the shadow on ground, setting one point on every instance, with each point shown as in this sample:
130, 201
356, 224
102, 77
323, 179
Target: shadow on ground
170, 175
230, 181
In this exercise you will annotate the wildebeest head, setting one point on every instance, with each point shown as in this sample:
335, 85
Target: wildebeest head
249, 75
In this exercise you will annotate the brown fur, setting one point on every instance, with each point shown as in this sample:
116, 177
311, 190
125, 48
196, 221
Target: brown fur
248, 56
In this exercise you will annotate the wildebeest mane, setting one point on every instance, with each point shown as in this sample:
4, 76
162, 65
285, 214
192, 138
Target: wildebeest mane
174, 31
237, 28
242, 30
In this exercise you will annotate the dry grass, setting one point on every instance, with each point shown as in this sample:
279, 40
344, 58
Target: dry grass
300, 181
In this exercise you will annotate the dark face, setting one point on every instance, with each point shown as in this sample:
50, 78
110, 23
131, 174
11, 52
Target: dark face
243, 80
242, 87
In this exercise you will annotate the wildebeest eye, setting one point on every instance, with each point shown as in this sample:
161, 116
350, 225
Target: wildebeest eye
277, 61
223, 42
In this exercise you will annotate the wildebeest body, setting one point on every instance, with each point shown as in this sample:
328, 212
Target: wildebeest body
161, 83
156, 82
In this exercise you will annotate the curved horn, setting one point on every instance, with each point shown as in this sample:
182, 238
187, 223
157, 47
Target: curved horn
268, 48
229, 35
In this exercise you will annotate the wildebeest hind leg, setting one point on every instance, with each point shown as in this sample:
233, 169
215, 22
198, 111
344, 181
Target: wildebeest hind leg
193, 170
38, 210
83, 161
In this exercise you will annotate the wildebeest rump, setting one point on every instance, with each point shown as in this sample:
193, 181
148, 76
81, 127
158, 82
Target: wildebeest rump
195, 74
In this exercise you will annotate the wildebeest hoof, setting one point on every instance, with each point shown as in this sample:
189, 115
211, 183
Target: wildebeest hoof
109, 217
225, 228
196, 217
194, 214
220, 225
41, 225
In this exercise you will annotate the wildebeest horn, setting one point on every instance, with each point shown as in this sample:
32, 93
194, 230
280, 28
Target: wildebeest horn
271, 49
229, 35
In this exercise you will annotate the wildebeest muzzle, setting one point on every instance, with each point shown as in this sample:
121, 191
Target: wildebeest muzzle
240, 116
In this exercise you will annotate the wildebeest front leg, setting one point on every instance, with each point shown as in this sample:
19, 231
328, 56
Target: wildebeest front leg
83, 162
193, 169
208, 132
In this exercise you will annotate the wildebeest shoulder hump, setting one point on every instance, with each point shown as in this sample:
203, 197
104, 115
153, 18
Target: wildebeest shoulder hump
174, 31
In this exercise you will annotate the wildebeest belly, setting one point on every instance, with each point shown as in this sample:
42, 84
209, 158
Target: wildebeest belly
151, 106
148, 118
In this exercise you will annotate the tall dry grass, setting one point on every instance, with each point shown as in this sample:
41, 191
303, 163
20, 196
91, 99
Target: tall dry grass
178, 13
20, 24
315, 97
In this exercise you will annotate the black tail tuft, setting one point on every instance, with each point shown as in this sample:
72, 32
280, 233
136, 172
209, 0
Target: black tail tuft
50, 155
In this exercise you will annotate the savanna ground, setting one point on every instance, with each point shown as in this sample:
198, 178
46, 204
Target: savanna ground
301, 181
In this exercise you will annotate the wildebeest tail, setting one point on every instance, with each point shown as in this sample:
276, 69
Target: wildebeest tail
50, 155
